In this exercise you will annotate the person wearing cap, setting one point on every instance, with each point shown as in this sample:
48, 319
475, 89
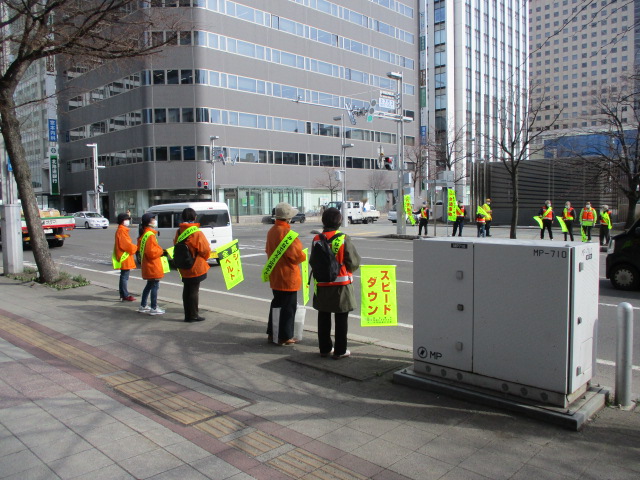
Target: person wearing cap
284, 277
423, 221
198, 245
152, 270
605, 225
486, 211
337, 296
459, 222
122, 257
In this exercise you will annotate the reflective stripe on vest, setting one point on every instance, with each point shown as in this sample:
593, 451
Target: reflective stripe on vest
423, 213
337, 247
186, 233
548, 215
485, 212
117, 264
588, 217
277, 254
164, 261
460, 211
605, 219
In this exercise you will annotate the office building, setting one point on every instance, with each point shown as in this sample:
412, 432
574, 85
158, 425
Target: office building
266, 80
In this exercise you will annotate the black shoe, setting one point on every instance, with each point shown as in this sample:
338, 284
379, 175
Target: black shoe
197, 319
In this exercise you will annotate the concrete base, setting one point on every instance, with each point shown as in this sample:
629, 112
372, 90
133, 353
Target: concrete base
573, 417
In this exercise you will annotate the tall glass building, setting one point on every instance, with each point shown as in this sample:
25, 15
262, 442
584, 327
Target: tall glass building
269, 79
473, 81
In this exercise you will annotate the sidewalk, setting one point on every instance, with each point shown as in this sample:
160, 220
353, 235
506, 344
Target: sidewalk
91, 389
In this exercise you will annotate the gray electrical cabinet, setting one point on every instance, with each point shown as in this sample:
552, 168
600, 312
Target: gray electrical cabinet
518, 317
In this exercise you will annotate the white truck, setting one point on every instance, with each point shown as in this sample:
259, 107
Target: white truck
358, 212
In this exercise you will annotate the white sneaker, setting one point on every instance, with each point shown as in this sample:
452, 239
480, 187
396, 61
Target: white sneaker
156, 311
144, 309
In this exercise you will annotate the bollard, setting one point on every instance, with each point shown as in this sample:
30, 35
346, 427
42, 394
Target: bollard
624, 351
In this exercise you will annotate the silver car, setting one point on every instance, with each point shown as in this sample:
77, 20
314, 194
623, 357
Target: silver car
90, 220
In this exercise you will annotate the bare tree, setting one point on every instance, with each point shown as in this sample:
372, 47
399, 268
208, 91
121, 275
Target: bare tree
446, 150
417, 156
328, 180
88, 31
516, 140
378, 182
616, 160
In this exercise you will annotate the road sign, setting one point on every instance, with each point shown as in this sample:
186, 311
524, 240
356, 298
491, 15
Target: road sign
385, 102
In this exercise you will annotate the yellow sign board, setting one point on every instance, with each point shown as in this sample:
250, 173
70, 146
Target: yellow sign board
230, 263
408, 209
378, 304
451, 205
305, 277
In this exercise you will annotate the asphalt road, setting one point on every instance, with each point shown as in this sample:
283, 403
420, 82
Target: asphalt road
88, 252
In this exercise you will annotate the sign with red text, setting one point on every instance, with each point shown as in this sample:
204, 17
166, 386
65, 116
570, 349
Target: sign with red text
378, 305
229, 256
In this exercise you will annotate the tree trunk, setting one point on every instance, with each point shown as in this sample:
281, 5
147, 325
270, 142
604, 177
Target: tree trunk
11, 133
632, 197
514, 203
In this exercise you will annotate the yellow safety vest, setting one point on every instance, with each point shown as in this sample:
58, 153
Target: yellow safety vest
117, 264
163, 260
485, 211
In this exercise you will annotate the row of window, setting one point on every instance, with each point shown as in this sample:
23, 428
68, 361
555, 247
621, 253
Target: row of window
223, 117
192, 153
214, 79
346, 14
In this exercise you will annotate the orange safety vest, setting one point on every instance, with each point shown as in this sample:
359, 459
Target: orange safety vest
460, 211
568, 214
480, 219
423, 213
548, 213
344, 277
588, 214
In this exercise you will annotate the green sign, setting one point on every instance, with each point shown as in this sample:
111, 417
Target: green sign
53, 175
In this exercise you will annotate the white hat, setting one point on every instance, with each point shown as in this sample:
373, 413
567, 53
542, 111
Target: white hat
284, 211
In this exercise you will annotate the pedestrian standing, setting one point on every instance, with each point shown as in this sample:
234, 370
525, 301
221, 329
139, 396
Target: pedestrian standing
151, 263
546, 215
336, 296
487, 216
605, 225
423, 218
459, 222
481, 222
588, 218
568, 215
123, 256
198, 245
284, 251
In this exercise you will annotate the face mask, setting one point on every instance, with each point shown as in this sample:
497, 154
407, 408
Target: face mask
588, 205
153, 223
125, 223
548, 204
567, 206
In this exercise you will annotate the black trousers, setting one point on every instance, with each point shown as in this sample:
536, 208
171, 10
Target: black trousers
546, 225
457, 226
569, 224
286, 302
324, 332
424, 222
604, 234
587, 231
191, 296
487, 228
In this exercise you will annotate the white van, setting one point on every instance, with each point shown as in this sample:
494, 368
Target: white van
213, 217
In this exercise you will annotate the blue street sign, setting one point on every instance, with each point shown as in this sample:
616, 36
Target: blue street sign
53, 130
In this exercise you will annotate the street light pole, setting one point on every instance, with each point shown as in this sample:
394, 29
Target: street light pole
96, 178
343, 168
400, 221
212, 159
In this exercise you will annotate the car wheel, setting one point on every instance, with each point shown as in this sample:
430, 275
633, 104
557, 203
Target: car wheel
302, 220
624, 277
365, 220
104, 227
86, 225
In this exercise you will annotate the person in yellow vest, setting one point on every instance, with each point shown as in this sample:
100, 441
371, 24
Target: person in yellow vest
588, 218
481, 222
605, 225
546, 214
457, 225
337, 296
423, 215
487, 216
568, 215
123, 256
285, 278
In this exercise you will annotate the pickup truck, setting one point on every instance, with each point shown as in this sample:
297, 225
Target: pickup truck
54, 226
357, 212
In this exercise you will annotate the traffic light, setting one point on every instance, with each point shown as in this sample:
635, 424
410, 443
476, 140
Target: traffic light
388, 163
205, 185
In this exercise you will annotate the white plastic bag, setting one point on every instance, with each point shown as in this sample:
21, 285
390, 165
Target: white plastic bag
275, 324
298, 324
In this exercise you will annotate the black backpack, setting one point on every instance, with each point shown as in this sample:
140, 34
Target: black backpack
182, 257
323, 262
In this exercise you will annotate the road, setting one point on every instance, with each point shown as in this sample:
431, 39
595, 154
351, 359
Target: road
88, 252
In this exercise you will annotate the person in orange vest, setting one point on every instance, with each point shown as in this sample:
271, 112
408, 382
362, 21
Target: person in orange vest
423, 218
546, 214
605, 225
568, 215
285, 278
123, 256
457, 225
192, 277
152, 270
481, 222
337, 296
588, 218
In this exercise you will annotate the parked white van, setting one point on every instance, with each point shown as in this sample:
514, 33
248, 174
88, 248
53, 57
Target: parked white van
213, 217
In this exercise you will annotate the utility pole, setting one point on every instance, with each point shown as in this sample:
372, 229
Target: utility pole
212, 159
400, 222
96, 178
